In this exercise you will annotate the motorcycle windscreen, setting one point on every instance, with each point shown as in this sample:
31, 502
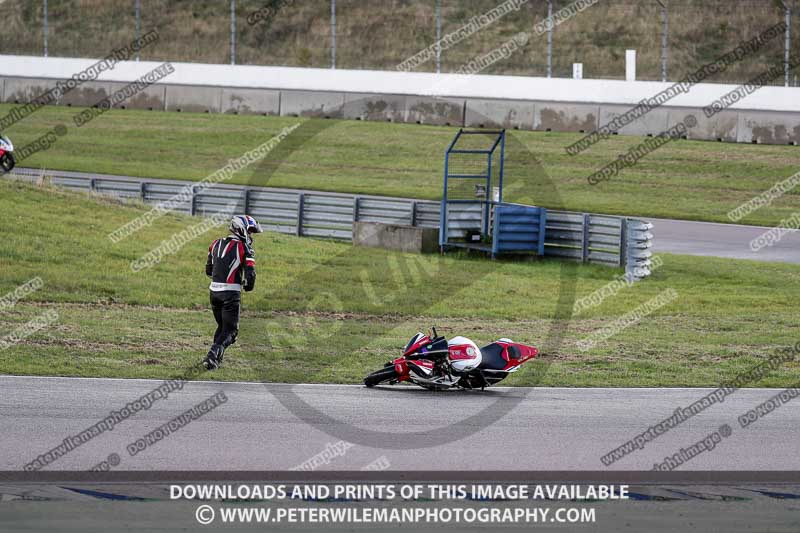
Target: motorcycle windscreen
414, 343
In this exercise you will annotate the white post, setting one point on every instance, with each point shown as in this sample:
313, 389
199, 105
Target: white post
577, 71
630, 65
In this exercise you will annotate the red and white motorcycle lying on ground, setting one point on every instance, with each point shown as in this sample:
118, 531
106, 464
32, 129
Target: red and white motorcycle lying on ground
435, 363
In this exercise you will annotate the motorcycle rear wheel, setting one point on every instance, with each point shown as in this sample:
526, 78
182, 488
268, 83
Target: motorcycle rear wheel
7, 162
379, 376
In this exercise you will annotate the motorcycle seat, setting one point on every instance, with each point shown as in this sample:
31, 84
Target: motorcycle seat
514, 352
493, 357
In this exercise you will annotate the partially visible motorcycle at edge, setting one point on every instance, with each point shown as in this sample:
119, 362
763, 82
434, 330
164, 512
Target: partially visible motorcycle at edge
7, 161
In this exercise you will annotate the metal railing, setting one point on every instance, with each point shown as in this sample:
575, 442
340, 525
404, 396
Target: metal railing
601, 239
292, 211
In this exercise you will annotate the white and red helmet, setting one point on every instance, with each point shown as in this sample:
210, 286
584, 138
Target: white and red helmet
463, 354
244, 225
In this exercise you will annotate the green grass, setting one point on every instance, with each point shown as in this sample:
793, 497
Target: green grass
328, 312
692, 180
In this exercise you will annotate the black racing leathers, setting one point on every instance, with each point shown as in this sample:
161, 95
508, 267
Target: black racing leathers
225, 305
231, 266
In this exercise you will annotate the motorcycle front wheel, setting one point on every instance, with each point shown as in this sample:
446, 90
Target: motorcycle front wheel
387, 373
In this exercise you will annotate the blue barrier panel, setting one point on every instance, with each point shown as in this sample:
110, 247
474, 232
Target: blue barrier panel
518, 228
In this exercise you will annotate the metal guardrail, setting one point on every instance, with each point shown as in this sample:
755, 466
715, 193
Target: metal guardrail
601, 239
291, 211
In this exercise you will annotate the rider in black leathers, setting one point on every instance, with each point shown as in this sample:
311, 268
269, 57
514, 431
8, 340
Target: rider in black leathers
231, 265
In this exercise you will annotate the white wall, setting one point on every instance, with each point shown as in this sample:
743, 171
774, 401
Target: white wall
405, 83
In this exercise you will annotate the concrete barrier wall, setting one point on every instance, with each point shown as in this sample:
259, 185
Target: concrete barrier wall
193, 99
446, 85
652, 123
729, 125
154, 98
381, 108
409, 239
311, 104
483, 113
554, 116
769, 128
250, 101
23, 90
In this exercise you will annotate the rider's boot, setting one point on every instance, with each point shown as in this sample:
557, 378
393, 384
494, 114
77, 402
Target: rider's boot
214, 357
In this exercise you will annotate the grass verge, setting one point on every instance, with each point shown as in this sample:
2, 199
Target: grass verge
691, 180
328, 312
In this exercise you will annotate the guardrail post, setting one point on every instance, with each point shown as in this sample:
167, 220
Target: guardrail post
193, 208
246, 201
413, 213
143, 190
623, 242
542, 229
301, 200
585, 241
356, 202
442, 225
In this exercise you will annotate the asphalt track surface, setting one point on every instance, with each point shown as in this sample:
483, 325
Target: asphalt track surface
721, 240
545, 429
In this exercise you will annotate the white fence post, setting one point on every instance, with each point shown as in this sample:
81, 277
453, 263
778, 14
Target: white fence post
630, 65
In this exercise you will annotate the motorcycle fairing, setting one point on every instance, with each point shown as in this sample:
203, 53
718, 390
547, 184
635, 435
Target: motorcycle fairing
416, 343
503, 356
